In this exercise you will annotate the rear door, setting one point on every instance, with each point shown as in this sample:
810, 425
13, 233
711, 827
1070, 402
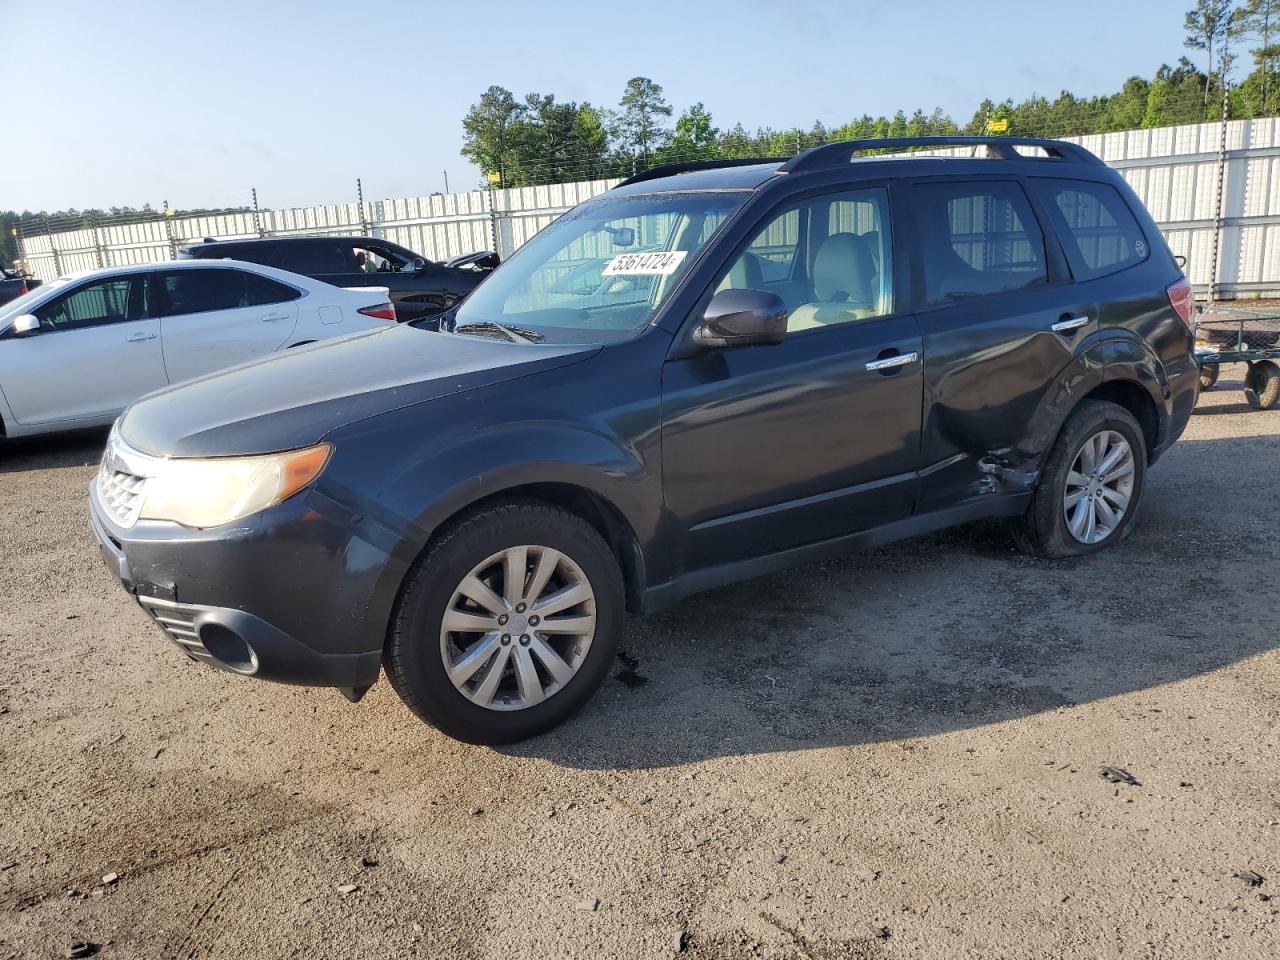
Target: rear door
97, 350
217, 317
1002, 325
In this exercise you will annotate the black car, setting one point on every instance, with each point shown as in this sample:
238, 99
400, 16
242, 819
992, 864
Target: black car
14, 285
419, 288
779, 362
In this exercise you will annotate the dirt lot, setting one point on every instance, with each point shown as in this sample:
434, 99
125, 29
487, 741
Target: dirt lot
896, 755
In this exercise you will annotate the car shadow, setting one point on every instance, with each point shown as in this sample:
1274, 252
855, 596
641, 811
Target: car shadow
946, 632
75, 448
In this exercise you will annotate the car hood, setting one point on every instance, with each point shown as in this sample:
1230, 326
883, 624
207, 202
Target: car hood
294, 399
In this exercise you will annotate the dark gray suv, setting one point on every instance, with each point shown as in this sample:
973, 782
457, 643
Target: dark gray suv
767, 363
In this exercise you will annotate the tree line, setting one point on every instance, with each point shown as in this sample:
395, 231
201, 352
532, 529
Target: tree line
539, 139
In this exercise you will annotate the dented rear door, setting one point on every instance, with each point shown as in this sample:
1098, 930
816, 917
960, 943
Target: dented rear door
1005, 333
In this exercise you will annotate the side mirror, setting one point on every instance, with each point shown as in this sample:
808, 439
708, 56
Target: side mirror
417, 265
1180, 260
24, 325
742, 318
484, 260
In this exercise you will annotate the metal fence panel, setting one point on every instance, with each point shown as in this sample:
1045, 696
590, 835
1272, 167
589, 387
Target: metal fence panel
1174, 170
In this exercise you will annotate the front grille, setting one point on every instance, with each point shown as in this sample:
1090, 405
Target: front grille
120, 494
178, 621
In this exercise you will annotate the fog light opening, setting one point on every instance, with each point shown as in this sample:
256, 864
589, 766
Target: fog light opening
228, 648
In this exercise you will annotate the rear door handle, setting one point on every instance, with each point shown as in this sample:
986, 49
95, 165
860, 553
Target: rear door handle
139, 337
1068, 323
275, 316
888, 363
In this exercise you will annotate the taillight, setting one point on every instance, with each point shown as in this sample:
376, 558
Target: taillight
383, 311
22, 290
1181, 299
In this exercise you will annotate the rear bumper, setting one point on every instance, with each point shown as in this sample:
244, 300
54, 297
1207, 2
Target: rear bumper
1184, 392
291, 595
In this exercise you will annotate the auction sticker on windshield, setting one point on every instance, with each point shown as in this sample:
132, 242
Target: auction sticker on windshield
661, 263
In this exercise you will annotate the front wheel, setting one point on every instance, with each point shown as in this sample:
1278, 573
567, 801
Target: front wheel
1208, 376
507, 624
1091, 484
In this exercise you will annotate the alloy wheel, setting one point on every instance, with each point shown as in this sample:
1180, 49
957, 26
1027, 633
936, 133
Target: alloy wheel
518, 627
1099, 487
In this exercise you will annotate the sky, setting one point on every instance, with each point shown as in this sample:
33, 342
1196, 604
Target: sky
126, 102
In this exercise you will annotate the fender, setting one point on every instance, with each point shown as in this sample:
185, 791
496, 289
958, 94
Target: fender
1127, 356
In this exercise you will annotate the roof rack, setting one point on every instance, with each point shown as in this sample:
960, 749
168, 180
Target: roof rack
836, 154
670, 169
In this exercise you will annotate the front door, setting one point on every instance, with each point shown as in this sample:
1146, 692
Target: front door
220, 316
97, 350
766, 448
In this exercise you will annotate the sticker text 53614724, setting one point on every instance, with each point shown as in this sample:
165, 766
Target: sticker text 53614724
659, 263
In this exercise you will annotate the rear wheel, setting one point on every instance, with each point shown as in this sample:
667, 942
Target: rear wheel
1091, 484
1262, 384
508, 623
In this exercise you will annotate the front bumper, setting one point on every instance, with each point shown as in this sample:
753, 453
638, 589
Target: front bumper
292, 595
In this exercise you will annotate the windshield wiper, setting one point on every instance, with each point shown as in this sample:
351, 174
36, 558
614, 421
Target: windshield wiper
514, 334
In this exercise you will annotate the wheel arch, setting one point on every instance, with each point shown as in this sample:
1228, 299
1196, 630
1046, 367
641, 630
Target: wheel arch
1135, 398
597, 510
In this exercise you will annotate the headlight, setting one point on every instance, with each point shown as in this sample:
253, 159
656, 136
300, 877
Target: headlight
209, 493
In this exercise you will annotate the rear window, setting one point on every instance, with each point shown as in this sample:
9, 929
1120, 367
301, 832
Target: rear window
1100, 232
978, 239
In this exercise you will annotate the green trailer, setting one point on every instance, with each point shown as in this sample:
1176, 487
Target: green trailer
1233, 335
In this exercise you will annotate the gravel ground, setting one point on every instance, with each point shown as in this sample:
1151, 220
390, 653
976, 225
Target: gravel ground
894, 755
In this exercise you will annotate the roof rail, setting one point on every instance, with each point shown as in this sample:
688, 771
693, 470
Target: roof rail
670, 169
836, 154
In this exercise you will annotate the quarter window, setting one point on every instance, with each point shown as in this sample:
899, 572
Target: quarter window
95, 304
978, 239
1102, 234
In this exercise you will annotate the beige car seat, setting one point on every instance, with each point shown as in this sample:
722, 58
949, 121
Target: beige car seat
846, 285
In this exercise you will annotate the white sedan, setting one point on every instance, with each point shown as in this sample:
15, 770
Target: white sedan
78, 350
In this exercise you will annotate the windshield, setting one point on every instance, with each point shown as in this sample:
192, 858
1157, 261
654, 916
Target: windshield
23, 304
599, 273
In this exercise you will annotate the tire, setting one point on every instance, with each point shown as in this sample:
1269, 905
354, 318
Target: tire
518, 706
1208, 376
1262, 384
1043, 530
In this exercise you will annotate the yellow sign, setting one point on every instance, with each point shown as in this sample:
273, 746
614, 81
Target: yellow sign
169, 211
494, 177
997, 126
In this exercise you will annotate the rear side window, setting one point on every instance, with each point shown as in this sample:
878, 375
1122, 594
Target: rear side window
1100, 232
314, 259
203, 291
259, 291
978, 239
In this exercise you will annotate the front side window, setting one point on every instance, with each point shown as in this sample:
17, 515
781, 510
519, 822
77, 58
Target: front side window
828, 258
94, 304
1102, 234
977, 239
376, 260
600, 272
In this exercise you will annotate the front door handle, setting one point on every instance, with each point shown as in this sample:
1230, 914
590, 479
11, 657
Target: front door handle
889, 363
1068, 323
275, 316
139, 337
